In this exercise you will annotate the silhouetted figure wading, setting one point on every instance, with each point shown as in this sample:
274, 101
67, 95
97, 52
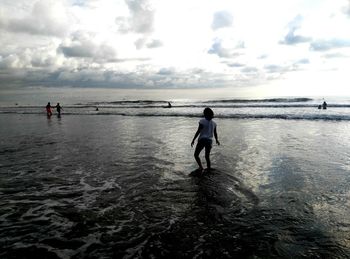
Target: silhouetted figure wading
48, 109
58, 109
324, 105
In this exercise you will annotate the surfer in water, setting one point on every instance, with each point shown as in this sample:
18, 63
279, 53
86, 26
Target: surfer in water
48, 109
205, 131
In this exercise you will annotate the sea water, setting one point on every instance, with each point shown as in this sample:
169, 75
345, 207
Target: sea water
118, 182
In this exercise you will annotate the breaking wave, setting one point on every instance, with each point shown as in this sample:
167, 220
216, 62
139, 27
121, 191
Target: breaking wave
275, 108
271, 100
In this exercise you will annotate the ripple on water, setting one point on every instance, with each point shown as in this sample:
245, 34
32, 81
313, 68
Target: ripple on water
101, 192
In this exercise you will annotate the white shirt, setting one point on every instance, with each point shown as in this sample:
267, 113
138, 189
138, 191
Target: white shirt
207, 128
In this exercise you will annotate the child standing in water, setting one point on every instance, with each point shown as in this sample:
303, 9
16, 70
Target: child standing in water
206, 130
58, 108
48, 110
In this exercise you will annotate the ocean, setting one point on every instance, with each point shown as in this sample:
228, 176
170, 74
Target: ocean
118, 182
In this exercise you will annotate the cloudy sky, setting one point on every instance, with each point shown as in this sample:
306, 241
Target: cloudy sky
284, 47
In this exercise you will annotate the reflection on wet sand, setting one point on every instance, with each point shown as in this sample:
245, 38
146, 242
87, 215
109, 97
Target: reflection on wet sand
96, 187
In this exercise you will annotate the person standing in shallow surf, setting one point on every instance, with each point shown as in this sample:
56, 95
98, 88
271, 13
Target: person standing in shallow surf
205, 131
48, 109
324, 105
58, 109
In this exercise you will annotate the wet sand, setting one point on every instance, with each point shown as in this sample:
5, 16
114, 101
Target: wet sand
121, 187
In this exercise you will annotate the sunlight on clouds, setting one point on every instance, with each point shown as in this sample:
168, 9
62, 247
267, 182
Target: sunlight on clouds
251, 46
309, 83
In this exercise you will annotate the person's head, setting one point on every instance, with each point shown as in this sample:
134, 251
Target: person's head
208, 113
48, 103
58, 104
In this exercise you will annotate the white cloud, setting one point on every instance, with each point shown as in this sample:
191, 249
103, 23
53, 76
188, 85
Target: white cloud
346, 8
154, 44
226, 52
140, 19
325, 45
83, 45
222, 19
292, 38
46, 17
183, 43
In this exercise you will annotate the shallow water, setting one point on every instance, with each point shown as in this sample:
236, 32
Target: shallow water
121, 187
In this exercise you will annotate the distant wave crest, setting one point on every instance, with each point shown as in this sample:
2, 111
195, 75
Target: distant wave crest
274, 108
272, 100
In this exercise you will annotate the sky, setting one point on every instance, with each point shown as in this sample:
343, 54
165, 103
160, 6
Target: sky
272, 47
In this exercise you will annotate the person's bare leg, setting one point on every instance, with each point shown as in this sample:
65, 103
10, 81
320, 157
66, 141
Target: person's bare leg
196, 156
207, 157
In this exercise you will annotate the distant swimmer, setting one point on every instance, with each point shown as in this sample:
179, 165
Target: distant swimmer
169, 105
324, 105
319, 107
96, 109
58, 109
48, 109
205, 131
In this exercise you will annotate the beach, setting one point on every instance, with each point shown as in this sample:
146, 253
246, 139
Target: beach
144, 129
114, 186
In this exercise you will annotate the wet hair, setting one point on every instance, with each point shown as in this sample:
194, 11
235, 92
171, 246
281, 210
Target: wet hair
208, 113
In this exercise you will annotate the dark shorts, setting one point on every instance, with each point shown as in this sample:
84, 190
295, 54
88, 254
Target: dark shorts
204, 143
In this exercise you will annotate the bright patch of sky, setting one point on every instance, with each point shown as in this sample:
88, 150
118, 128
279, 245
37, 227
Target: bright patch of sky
291, 47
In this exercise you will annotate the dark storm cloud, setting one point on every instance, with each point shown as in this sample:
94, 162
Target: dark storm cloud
221, 20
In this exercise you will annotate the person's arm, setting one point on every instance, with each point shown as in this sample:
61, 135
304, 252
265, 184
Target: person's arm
197, 133
216, 137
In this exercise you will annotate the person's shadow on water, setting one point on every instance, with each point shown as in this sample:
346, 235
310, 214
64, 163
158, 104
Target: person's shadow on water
222, 192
